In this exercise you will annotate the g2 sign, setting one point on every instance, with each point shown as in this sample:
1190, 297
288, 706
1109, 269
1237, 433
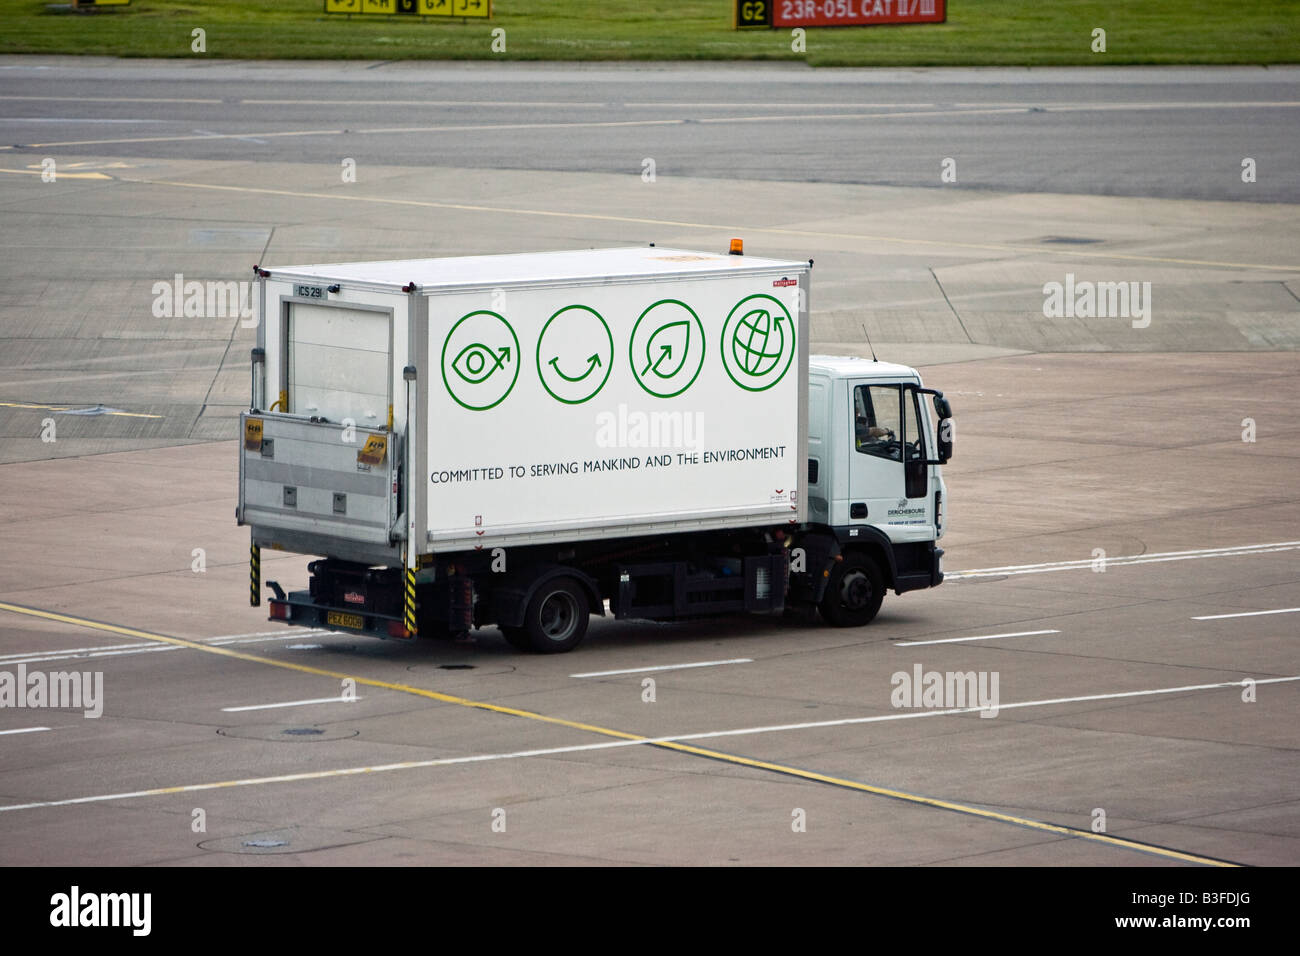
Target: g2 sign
751, 13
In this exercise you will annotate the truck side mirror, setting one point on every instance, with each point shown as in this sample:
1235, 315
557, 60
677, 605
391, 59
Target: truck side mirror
943, 441
942, 408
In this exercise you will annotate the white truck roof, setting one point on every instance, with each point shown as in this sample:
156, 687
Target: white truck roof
841, 366
585, 265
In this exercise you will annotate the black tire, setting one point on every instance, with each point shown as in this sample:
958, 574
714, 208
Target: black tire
517, 638
557, 617
854, 592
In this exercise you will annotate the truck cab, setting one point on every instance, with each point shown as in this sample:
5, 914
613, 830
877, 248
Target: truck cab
874, 455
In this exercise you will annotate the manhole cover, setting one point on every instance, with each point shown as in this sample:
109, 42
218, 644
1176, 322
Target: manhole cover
288, 734
486, 668
295, 840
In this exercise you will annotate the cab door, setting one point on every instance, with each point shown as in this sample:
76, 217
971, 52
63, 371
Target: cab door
889, 476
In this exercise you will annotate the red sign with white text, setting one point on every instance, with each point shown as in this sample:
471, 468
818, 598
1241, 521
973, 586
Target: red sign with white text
862, 13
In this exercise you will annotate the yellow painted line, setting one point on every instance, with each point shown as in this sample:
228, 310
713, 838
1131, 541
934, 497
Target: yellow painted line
718, 227
70, 408
595, 729
58, 175
308, 669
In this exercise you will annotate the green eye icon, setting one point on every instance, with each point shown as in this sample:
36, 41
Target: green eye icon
480, 360
477, 363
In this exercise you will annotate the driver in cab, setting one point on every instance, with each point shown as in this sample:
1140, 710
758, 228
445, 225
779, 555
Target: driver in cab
868, 434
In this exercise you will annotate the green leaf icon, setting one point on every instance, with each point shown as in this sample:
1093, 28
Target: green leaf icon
667, 349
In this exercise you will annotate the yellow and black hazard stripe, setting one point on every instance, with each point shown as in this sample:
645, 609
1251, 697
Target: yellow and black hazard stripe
254, 575
410, 601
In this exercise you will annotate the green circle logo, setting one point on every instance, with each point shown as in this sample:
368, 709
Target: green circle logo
758, 342
667, 348
480, 360
575, 354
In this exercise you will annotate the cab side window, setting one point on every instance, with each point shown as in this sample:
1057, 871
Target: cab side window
877, 421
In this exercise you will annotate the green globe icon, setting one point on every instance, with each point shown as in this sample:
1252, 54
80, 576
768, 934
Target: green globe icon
758, 342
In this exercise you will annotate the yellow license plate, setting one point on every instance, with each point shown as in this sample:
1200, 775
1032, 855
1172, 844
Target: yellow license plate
338, 619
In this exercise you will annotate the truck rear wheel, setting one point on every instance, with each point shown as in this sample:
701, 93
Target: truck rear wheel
854, 592
557, 617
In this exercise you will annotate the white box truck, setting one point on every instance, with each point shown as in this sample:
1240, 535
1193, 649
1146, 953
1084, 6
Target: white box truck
525, 440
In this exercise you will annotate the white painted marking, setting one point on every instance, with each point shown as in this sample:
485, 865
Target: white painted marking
84, 656
982, 637
106, 99
119, 650
609, 745
1087, 563
1219, 617
563, 104
498, 127
23, 730
526, 104
245, 138
70, 119
481, 127
964, 107
291, 703
280, 632
666, 667
72, 650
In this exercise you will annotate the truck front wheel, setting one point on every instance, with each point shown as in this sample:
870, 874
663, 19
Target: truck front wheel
557, 617
854, 592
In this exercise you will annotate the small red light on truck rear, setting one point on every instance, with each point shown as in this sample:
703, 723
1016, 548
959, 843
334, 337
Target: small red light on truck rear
397, 629
279, 610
